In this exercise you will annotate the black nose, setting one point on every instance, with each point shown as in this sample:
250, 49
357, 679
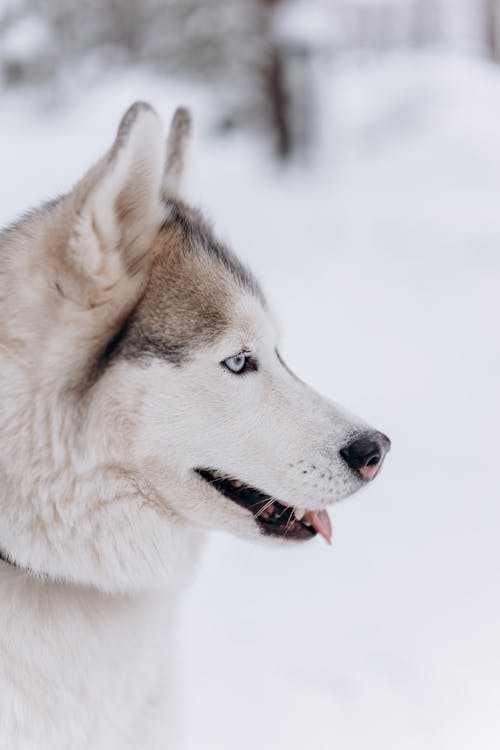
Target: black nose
366, 453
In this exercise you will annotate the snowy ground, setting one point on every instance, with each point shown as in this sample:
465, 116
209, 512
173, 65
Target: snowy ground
383, 261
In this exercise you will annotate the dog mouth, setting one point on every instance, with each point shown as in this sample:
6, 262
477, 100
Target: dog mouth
273, 517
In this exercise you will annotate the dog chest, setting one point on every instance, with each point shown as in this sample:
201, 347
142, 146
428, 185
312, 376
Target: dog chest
80, 669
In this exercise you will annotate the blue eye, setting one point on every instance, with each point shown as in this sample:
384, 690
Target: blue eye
236, 364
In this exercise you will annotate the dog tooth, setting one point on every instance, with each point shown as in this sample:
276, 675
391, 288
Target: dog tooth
299, 513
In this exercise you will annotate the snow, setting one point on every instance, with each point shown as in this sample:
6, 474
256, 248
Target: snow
383, 262
25, 39
305, 24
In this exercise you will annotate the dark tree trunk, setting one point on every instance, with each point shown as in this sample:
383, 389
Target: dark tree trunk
491, 16
273, 72
288, 86
277, 97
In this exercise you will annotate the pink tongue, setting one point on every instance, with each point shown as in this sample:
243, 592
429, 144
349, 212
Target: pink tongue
320, 520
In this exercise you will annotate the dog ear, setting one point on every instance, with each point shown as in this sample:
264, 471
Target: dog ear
178, 139
118, 205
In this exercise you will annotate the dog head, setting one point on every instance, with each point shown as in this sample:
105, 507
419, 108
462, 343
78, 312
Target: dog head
160, 355
227, 434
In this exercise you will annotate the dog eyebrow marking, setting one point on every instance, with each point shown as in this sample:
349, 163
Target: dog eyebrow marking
149, 346
141, 345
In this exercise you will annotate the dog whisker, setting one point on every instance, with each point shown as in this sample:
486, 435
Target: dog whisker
285, 508
289, 523
267, 505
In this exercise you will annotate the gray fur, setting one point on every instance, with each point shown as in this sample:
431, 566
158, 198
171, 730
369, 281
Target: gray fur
186, 302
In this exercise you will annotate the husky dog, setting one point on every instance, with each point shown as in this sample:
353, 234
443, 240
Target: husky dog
143, 402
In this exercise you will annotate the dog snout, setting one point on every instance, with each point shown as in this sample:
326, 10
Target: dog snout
366, 453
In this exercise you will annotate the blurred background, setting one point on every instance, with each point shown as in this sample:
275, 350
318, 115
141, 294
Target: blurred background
349, 150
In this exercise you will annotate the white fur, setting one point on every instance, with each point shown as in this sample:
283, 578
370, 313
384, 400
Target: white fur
100, 509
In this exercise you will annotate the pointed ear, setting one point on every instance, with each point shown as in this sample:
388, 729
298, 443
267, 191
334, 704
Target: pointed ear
177, 143
118, 203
